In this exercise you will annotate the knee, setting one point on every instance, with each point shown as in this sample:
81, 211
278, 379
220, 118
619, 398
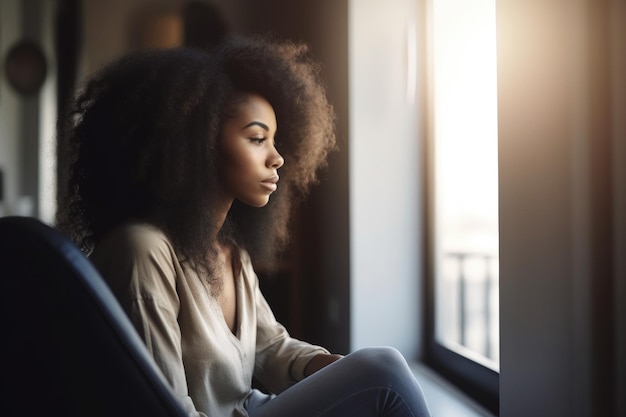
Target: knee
381, 361
382, 354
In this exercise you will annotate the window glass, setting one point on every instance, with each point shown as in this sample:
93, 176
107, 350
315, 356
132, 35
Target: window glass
465, 177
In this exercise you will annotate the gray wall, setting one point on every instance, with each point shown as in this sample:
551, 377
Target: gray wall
561, 138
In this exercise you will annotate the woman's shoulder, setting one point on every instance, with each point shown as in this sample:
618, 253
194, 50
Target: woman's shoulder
138, 262
136, 242
136, 236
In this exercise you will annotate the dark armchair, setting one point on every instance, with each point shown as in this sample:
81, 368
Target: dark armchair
68, 349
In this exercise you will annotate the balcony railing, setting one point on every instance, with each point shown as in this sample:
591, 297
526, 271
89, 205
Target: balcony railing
472, 322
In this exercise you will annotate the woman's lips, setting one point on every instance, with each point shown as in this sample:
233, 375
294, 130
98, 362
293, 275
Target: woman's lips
270, 183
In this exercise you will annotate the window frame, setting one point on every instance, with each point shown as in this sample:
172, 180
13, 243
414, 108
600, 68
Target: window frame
474, 379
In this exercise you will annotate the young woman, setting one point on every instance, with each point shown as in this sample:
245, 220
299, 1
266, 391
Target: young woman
185, 167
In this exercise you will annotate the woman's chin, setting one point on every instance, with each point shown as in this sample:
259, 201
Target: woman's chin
257, 203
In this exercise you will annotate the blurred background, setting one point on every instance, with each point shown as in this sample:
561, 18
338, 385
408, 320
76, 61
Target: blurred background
474, 214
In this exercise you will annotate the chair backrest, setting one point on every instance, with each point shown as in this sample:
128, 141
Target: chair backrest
67, 346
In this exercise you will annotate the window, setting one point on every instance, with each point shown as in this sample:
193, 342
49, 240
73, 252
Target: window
462, 183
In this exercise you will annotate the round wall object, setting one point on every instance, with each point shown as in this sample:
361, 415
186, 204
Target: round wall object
25, 67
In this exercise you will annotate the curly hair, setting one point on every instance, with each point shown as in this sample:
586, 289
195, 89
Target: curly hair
144, 134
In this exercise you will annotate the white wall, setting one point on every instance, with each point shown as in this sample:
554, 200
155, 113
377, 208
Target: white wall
47, 120
27, 123
10, 30
385, 186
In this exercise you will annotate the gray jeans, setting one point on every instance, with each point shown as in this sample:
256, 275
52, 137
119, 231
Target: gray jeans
370, 382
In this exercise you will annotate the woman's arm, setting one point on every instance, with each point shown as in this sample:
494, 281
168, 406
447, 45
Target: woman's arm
137, 264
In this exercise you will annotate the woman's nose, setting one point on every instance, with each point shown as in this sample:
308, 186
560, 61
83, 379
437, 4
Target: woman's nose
276, 160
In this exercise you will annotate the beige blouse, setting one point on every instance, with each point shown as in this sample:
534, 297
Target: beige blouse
209, 368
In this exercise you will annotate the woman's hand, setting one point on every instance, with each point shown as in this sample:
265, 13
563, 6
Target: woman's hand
320, 361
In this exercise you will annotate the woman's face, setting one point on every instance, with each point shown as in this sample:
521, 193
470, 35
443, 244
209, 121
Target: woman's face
248, 162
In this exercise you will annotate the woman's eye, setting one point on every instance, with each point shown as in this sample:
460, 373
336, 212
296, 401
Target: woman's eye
258, 141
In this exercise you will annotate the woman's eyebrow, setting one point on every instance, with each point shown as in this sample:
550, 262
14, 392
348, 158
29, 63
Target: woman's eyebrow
261, 124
